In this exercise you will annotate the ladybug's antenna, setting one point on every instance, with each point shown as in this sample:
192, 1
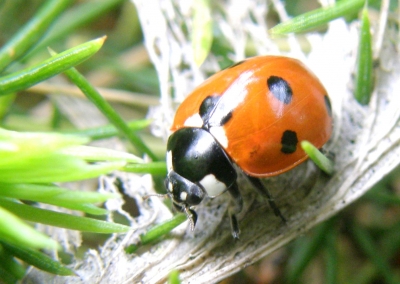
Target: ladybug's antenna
145, 197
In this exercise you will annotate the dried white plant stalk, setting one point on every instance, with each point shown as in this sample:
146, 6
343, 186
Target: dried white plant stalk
365, 144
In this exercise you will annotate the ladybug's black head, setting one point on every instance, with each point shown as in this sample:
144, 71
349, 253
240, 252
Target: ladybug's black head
184, 194
197, 166
182, 191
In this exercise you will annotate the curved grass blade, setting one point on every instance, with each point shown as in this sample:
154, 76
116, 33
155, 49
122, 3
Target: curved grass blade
37, 259
62, 220
62, 197
23, 79
47, 193
38, 158
10, 265
54, 167
317, 17
14, 230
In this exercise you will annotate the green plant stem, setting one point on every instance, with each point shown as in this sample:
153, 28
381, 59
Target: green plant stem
157, 232
95, 97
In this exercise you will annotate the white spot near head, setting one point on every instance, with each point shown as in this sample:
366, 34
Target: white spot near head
169, 161
183, 196
170, 187
212, 186
194, 121
220, 135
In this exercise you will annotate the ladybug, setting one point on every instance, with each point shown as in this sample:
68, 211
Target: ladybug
252, 115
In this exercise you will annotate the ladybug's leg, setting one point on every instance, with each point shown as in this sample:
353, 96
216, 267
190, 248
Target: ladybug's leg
235, 208
264, 192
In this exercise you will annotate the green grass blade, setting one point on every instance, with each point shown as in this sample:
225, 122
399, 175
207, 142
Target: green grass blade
173, 277
31, 32
155, 168
331, 258
317, 157
5, 104
62, 220
6, 277
94, 154
306, 251
158, 231
112, 115
39, 158
23, 79
38, 259
108, 131
83, 207
75, 200
55, 168
364, 73
47, 193
317, 17
16, 147
14, 230
10, 265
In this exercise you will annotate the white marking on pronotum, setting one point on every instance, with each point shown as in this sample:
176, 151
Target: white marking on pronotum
220, 135
194, 121
232, 97
169, 161
183, 196
212, 186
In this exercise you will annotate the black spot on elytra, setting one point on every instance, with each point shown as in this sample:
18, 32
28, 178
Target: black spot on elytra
206, 110
328, 105
225, 119
289, 142
280, 88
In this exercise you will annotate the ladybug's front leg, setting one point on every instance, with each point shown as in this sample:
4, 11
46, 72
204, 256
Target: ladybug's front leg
256, 182
235, 208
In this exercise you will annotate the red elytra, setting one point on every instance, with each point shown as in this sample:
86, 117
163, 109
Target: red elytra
277, 102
